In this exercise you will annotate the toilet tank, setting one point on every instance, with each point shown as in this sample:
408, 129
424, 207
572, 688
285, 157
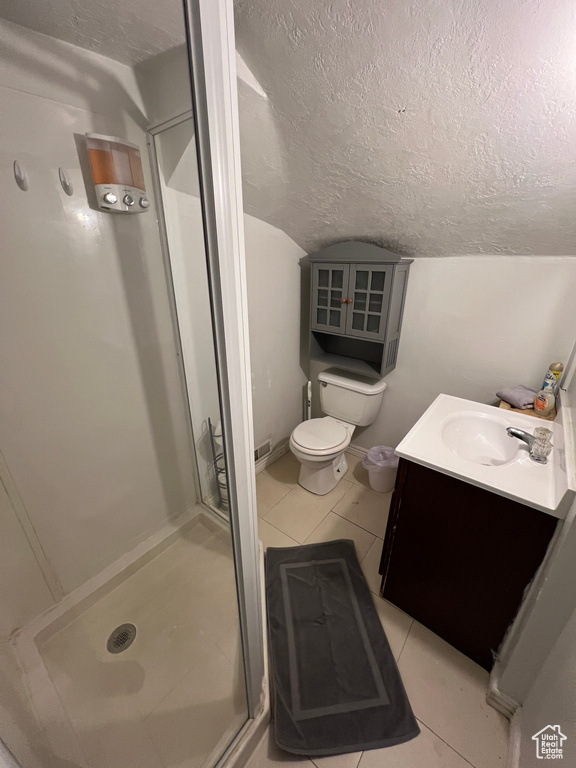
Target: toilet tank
353, 399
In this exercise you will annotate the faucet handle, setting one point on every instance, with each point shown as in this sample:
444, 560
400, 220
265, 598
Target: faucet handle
542, 433
542, 445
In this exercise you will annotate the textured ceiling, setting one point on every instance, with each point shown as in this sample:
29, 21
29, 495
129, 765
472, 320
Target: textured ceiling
429, 126
129, 32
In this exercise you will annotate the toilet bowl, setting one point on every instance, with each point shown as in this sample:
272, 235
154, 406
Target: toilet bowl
320, 444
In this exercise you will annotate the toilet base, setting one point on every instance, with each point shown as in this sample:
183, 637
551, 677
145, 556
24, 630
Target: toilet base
321, 480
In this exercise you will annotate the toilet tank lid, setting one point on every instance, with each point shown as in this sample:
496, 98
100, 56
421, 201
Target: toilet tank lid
354, 383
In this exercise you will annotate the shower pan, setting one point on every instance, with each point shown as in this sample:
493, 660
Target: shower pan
130, 615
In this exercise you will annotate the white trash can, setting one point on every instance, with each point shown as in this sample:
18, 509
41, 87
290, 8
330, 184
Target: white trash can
382, 464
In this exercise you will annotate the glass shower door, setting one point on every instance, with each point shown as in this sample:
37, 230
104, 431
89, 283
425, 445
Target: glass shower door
120, 621
174, 151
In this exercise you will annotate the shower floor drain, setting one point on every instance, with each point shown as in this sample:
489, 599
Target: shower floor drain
121, 638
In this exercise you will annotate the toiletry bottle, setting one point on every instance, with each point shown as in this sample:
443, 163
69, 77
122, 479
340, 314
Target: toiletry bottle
552, 376
544, 402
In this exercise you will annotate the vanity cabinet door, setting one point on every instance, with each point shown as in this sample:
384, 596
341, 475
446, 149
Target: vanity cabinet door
329, 295
458, 558
369, 289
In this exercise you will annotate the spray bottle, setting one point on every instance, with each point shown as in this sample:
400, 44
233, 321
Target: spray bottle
552, 377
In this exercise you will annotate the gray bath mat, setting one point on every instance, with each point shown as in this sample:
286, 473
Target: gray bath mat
336, 685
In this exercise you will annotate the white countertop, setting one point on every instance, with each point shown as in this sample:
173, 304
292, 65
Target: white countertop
542, 486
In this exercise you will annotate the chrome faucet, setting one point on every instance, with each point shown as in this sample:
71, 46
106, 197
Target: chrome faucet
541, 457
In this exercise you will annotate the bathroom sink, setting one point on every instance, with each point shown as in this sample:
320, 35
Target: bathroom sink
468, 441
480, 438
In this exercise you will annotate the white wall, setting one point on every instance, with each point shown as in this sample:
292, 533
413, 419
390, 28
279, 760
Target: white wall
473, 325
551, 702
274, 305
49, 68
92, 417
24, 590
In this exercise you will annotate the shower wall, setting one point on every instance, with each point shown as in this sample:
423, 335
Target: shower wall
95, 454
20, 731
93, 422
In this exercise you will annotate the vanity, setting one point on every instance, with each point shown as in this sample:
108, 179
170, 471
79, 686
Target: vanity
470, 522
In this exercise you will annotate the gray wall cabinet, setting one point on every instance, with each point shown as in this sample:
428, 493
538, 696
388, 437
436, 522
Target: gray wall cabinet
357, 301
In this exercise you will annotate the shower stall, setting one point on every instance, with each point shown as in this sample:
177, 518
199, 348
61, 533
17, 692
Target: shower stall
130, 608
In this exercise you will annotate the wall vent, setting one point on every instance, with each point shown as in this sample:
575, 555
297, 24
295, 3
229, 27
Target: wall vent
263, 449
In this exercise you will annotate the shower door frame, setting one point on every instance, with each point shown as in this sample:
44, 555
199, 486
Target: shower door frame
210, 28
212, 56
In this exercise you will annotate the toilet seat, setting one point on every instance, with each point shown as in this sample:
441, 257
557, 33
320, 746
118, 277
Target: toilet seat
321, 436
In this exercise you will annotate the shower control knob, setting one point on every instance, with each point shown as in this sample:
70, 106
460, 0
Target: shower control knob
128, 200
144, 202
110, 198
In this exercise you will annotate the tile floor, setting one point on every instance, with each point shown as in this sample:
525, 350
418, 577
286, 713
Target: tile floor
176, 697
447, 690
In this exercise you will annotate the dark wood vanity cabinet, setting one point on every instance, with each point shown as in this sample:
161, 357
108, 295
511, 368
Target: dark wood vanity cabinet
458, 558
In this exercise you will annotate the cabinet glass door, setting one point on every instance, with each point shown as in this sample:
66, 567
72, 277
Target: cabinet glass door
329, 295
370, 292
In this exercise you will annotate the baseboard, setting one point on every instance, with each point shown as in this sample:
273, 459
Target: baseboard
357, 450
514, 739
271, 457
504, 704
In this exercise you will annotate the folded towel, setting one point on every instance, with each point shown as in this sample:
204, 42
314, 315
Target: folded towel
518, 396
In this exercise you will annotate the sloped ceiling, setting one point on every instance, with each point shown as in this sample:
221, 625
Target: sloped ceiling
129, 32
428, 126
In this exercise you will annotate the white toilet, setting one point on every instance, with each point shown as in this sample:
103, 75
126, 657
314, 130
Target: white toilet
319, 444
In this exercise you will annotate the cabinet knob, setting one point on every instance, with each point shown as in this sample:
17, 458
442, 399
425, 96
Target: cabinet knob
348, 301
343, 301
